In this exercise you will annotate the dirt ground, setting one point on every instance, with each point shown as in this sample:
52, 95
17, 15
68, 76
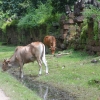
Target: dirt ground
3, 96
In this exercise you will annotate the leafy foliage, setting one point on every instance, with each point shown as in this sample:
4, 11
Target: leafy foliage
34, 3
35, 12
93, 11
59, 5
11, 7
84, 29
7, 24
36, 17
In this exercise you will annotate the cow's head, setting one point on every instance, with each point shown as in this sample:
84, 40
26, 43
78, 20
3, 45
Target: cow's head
6, 65
52, 49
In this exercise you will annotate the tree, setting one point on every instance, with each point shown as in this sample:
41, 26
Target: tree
59, 5
12, 7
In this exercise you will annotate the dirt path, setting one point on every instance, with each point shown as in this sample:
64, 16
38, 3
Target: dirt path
3, 96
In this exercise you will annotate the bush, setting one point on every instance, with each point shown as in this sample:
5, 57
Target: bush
84, 29
36, 17
93, 11
8, 24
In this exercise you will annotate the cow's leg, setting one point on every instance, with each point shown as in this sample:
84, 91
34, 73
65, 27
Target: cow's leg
20, 66
40, 65
21, 70
45, 63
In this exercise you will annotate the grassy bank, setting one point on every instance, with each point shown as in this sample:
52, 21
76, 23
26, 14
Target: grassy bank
14, 89
72, 72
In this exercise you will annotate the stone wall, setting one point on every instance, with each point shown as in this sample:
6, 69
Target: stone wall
71, 27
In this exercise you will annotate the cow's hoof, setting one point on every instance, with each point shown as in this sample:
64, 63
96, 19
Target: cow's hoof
39, 75
47, 73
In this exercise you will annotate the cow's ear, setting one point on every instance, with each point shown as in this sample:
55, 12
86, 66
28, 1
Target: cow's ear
6, 61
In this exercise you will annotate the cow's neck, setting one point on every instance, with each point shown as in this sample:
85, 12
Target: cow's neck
12, 59
54, 44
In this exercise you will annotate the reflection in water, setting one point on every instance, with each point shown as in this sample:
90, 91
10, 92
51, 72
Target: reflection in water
47, 92
43, 92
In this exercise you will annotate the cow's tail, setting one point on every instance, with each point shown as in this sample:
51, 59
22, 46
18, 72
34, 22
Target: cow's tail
44, 59
43, 53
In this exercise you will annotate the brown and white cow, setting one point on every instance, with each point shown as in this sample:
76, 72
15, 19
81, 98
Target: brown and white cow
26, 54
50, 41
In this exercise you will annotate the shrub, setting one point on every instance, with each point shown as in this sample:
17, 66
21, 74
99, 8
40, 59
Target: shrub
36, 17
96, 12
7, 24
84, 29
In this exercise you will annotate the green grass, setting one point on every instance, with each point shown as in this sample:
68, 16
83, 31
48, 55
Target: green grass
73, 73
6, 51
14, 89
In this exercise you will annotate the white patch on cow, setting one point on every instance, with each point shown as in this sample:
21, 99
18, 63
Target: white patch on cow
40, 71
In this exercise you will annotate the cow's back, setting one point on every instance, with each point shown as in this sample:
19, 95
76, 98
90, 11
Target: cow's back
30, 52
23, 54
46, 40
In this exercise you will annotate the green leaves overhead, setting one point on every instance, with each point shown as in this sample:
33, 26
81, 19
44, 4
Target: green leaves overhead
12, 7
